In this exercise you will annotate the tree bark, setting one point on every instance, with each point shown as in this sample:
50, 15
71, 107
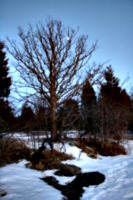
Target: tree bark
53, 117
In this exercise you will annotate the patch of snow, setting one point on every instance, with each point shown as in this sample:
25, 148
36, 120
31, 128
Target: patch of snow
22, 183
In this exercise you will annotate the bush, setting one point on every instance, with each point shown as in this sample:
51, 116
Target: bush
12, 150
47, 160
86, 149
103, 148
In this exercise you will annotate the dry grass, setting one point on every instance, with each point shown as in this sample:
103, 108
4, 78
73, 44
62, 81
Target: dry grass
48, 160
86, 149
12, 150
103, 148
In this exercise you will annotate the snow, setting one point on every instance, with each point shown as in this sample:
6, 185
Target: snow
22, 183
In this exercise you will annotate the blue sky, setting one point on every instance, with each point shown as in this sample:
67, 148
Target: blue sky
108, 21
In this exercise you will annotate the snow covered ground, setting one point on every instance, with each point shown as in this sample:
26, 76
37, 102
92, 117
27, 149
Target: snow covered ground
24, 184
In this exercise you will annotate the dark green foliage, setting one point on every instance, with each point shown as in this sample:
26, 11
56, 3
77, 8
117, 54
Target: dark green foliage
111, 91
5, 82
88, 99
6, 115
130, 127
114, 105
88, 94
27, 117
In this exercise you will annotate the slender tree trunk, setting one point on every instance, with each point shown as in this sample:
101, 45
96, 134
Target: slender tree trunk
102, 128
53, 117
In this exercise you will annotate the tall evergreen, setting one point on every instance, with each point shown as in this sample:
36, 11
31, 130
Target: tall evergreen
88, 94
5, 81
88, 99
114, 105
6, 115
112, 92
27, 116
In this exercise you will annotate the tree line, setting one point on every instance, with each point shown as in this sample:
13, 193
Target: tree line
55, 94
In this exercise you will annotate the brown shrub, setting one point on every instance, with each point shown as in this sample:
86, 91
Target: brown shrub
48, 160
86, 149
12, 150
103, 148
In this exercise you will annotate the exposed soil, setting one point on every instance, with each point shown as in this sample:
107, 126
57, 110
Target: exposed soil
74, 190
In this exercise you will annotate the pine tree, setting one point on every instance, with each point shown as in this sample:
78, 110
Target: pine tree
6, 115
88, 99
110, 90
27, 116
5, 82
88, 94
114, 105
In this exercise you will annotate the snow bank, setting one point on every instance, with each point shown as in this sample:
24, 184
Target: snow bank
22, 183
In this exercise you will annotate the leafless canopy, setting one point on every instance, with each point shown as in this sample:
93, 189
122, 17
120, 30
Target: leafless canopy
48, 63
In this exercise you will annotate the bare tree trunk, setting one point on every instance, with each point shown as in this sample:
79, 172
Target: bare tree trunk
53, 117
51, 65
102, 128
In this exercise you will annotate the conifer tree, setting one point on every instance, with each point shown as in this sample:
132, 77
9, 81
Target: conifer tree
88, 99
114, 105
5, 83
88, 94
27, 117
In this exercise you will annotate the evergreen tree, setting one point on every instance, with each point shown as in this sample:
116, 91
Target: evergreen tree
130, 127
6, 115
88, 99
27, 117
112, 92
88, 94
114, 103
5, 81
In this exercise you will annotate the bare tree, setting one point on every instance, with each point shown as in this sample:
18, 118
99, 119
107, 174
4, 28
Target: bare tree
49, 63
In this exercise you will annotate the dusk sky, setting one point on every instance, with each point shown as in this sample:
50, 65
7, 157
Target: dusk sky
108, 21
